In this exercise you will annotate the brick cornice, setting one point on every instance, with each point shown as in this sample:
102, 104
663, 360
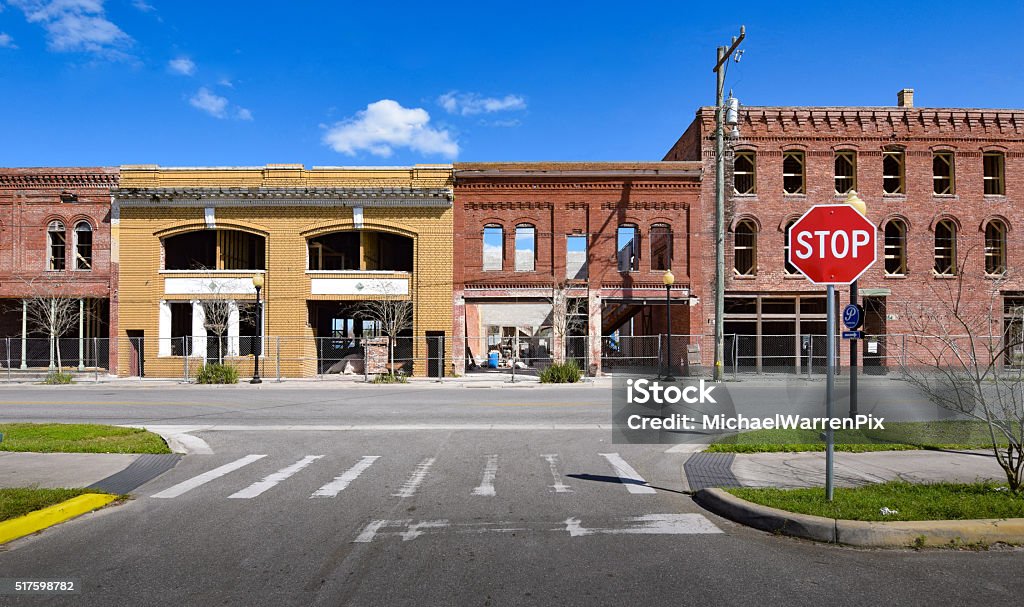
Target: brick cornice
58, 180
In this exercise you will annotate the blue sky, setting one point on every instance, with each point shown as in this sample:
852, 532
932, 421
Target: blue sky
91, 82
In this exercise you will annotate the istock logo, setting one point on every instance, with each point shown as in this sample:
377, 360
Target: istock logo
645, 391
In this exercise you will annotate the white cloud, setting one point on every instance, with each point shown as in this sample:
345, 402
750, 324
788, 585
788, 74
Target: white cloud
143, 6
6, 41
76, 25
217, 106
385, 125
468, 104
226, 83
182, 65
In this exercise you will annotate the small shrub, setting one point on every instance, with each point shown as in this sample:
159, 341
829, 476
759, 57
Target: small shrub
215, 373
391, 378
55, 378
562, 373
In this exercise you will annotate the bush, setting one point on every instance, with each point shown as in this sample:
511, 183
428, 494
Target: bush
55, 378
562, 373
215, 373
391, 378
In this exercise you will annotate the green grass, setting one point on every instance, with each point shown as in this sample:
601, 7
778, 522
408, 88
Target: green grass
20, 501
390, 378
79, 438
939, 501
56, 378
897, 436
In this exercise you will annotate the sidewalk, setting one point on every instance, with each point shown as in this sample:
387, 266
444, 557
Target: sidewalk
112, 472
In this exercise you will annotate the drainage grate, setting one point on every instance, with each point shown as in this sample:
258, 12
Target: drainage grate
704, 470
141, 471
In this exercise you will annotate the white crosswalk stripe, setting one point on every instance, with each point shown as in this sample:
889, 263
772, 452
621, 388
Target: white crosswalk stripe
338, 485
267, 483
627, 475
559, 486
486, 487
206, 477
414, 481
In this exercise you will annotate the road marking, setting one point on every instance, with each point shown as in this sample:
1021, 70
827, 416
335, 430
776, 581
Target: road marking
487, 482
385, 427
414, 530
559, 486
338, 485
650, 524
259, 487
627, 475
206, 477
370, 531
413, 482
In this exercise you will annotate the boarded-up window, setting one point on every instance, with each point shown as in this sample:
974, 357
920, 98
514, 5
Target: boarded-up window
628, 242
892, 172
576, 257
896, 248
846, 172
83, 246
793, 172
56, 240
494, 248
790, 268
994, 163
744, 173
942, 173
661, 247
526, 247
745, 248
995, 247
945, 248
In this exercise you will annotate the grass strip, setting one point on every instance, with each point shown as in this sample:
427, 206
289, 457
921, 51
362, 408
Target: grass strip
912, 502
79, 438
20, 501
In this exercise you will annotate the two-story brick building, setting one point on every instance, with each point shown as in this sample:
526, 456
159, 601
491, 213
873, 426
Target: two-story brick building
55, 249
551, 257
945, 187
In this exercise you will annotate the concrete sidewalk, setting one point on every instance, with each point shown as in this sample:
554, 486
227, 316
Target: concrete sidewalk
57, 470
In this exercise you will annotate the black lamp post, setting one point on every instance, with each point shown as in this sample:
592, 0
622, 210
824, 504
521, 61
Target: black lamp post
668, 279
257, 281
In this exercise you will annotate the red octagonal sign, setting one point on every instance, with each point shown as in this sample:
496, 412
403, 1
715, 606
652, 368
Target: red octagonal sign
832, 244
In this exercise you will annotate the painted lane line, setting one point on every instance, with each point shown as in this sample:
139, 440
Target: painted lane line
206, 477
260, 486
627, 475
414, 530
486, 487
338, 485
413, 482
650, 524
559, 486
370, 531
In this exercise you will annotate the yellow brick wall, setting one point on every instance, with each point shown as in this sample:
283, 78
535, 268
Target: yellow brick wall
287, 286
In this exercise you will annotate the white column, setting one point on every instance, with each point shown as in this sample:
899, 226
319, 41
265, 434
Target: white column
24, 334
81, 334
164, 330
198, 329
53, 340
232, 328
594, 329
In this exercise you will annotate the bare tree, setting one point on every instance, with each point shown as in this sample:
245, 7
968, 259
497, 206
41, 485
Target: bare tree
394, 314
964, 354
568, 315
52, 311
219, 311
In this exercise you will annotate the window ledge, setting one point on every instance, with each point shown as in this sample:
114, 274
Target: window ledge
995, 276
893, 196
895, 276
744, 276
353, 272
995, 197
938, 276
793, 277
745, 196
200, 272
789, 195
946, 196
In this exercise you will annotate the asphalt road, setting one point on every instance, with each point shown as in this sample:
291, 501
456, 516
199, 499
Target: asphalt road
455, 515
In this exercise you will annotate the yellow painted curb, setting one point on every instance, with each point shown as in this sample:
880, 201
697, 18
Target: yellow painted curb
51, 515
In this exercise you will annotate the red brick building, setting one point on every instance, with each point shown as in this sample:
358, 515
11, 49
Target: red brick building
55, 242
944, 186
598, 235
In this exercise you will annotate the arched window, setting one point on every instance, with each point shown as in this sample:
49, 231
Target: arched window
56, 241
526, 247
494, 248
945, 248
895, 248
627, 240
995, 248
215, 250
661, 247
789, 268
83, 246
745, 248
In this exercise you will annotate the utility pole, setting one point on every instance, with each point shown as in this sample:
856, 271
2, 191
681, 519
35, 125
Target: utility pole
723, 56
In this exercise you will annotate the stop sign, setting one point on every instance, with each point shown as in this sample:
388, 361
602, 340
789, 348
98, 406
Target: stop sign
832, 244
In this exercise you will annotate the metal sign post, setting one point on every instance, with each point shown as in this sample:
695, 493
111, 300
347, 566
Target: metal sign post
830, 385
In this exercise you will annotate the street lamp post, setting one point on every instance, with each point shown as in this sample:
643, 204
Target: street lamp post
257, 281
668, 279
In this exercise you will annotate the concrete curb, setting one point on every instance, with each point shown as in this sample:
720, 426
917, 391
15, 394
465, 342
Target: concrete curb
868, 534
51, 515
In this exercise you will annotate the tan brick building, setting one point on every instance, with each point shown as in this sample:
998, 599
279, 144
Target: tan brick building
324, 239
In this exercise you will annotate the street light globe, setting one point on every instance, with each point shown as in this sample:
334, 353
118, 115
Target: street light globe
855, 201
668, 278
257, 281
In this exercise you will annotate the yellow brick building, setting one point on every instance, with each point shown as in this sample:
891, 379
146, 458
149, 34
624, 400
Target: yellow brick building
187, 242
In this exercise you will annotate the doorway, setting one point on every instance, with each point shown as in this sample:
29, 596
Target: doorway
137, 362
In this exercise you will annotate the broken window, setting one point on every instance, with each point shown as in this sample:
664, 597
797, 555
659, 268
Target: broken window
790, 268
56, 240
942, 173
994, 165
945, 248
83, 246
526, 247
895, 248
628, 242
745, 248
215, 250
995, 248
181, 328
744, 173
846, 172
661, 247
892, 172
576, 257
360, 250
793, 172
493, 248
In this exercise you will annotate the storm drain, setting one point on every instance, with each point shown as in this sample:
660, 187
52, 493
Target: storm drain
141, 471
704, 470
